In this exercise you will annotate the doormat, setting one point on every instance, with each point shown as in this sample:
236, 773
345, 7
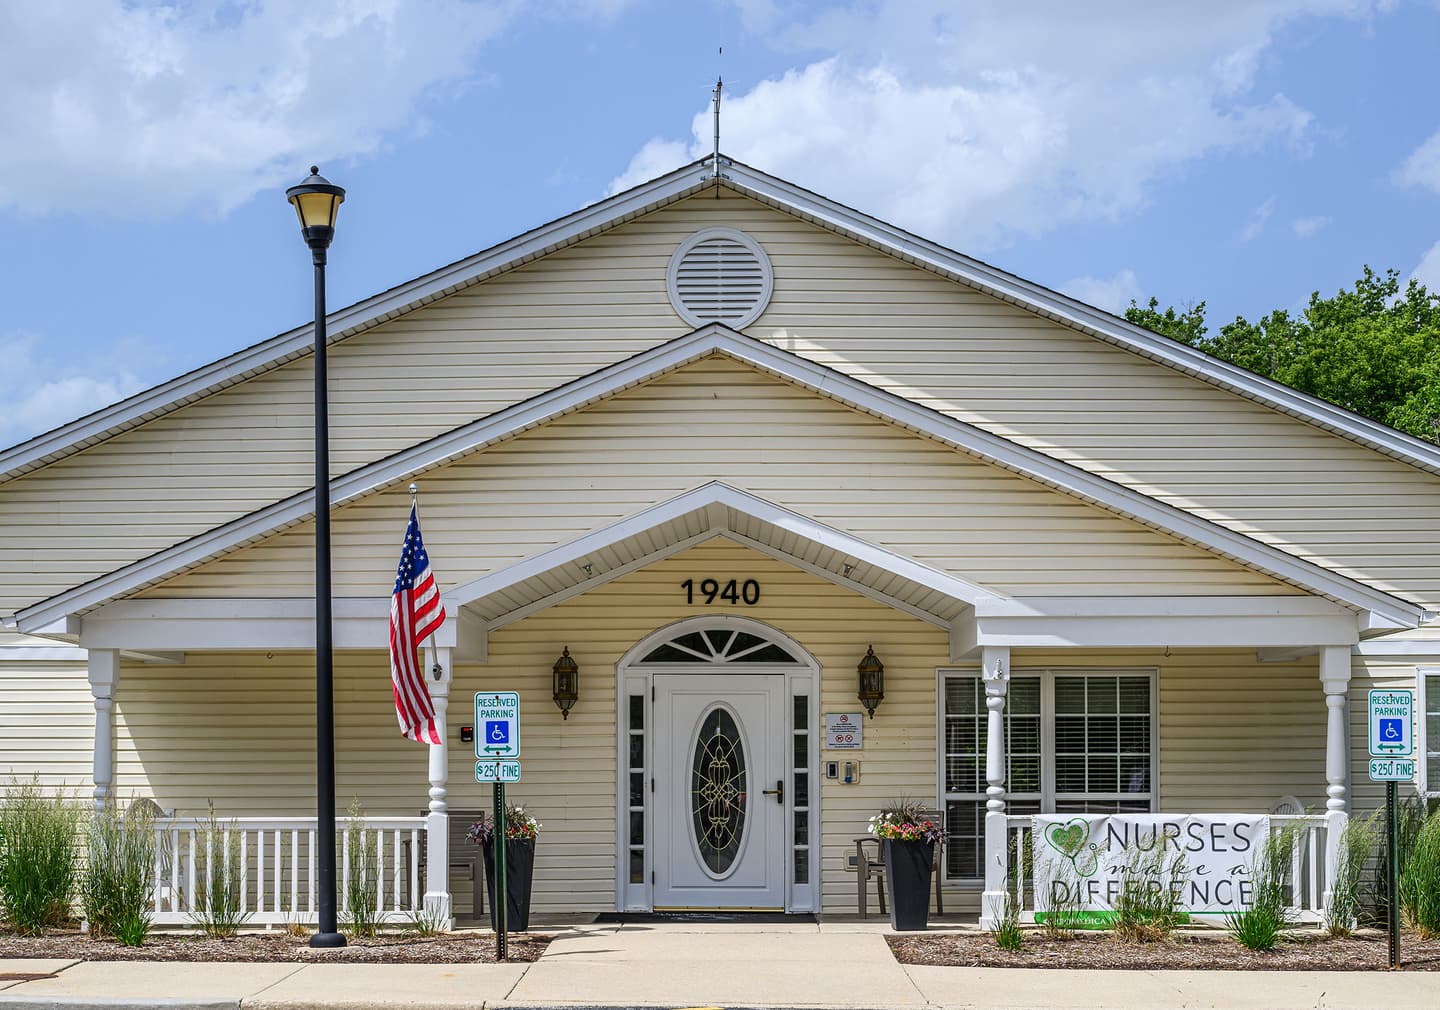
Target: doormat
763, 918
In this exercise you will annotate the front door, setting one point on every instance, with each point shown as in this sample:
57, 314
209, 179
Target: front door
719, 788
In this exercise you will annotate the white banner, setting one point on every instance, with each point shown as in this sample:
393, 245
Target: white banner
1081, 861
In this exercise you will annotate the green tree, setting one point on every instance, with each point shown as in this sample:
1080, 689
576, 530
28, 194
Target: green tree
1373, 349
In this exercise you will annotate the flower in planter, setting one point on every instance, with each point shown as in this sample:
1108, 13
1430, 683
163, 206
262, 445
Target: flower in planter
519, 826
903, 821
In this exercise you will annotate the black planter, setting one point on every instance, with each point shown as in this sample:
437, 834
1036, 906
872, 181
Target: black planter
519, 869
908, 868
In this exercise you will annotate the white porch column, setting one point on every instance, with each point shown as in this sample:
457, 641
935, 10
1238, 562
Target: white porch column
995, 669
437, 821
1335, 678
104, 676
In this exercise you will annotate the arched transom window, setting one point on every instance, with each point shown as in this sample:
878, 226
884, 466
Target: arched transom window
718, 647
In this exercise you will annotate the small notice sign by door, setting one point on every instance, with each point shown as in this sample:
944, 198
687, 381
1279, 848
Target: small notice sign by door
844, 731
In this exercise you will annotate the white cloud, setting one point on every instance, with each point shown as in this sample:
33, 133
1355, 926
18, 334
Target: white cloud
1422, 168
43, 390
1427, 271
1306, 227
1005, 119
1258, 218
1113, 294
138, 109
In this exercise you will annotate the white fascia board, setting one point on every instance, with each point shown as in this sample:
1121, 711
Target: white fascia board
1096, 322
717, 338
1198, 622
1075, 482
42, 654
352, 319
276, 624
677, 185
1418, 649
437, 451
702, 500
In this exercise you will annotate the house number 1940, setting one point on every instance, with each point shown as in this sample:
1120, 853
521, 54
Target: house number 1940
732, 591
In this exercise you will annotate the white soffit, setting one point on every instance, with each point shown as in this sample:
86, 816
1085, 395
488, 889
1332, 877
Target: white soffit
650, 196
718, 339
716, 509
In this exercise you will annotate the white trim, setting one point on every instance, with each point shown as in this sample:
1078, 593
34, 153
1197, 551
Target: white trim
666, 189
805, 671
1422, 772
715, 339
342, 323
267, 624
42, 654
1419, 649
704, 499
1200, 621
672, 276
1076, 314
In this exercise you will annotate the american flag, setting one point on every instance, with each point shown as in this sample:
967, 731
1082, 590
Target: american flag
415, 614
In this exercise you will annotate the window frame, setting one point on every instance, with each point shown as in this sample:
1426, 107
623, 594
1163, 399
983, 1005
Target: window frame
1047, 795
1423, 699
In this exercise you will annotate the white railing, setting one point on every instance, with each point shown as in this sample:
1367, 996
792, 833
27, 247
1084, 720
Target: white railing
1308, 880
270, 863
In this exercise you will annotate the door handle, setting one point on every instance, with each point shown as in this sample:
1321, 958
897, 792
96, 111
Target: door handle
778, 792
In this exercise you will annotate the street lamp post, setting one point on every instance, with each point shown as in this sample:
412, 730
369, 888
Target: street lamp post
316, 202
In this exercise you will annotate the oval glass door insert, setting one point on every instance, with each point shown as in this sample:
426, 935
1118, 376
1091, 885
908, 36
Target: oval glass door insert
717, 791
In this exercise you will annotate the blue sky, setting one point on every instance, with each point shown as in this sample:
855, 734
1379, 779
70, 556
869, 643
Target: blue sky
1240, 153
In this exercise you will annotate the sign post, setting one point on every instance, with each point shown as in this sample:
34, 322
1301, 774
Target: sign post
1392, 741
497, 718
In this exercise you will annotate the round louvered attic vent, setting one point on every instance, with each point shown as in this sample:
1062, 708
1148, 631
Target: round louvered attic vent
719, 275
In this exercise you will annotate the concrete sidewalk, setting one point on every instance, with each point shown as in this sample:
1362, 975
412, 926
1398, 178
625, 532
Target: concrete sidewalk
835, 965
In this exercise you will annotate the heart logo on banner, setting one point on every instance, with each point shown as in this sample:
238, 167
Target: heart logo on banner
1072, 840
1068, 838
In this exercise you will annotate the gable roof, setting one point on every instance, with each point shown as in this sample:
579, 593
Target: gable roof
718, 339
717, 509
684, 182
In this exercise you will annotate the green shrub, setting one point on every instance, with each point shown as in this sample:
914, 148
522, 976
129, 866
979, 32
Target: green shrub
1420, 878
1260, 926
1410, 816
216, 910
1357, 843
38, 862
362, 880
426, 920
120, 873
1008, 934
1148, 906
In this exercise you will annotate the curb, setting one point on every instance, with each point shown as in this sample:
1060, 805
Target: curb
118, 1003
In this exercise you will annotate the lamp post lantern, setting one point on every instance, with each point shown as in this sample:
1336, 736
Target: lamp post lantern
317, 201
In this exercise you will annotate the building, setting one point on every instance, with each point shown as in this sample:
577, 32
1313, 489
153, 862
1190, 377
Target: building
720, 437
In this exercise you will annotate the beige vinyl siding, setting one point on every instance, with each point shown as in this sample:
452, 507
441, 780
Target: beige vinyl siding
1235, 735
837, 302
720, 420
47, 723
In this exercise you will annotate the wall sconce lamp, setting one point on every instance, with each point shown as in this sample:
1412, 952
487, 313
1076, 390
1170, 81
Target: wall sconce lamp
565, 683
872, 681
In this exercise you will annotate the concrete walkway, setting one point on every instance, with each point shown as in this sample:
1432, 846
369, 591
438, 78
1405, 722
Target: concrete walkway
834, 965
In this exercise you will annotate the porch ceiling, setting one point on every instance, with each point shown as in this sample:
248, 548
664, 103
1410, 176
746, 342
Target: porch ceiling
716, 509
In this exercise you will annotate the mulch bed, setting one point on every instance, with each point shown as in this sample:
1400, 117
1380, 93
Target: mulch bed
454, 948
1300, 952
